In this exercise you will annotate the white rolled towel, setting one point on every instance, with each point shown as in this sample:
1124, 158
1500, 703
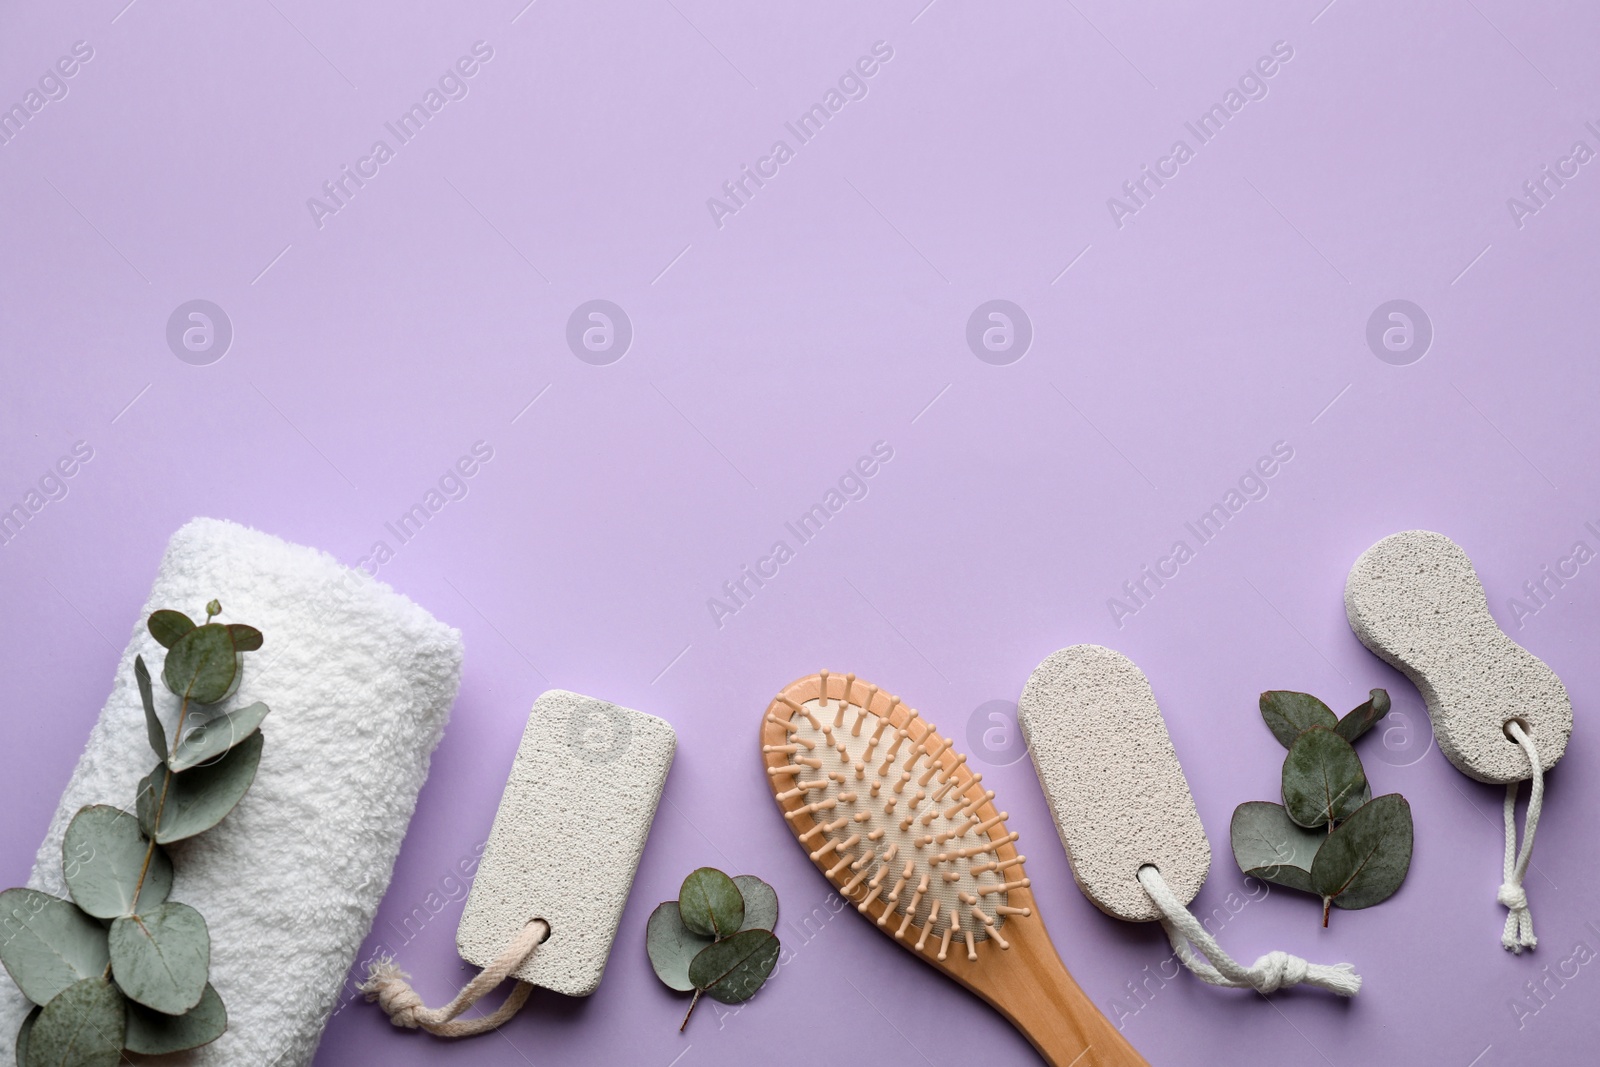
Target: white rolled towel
360, 681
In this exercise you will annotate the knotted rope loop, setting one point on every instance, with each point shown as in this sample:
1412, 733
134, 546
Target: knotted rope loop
387, 985
1518, 934
1268, 974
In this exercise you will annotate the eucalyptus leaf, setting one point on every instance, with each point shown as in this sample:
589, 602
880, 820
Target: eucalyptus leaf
1289, 714
22, 1035
245, 638
760, 903
1268, 845
167, 626
201, 664
672, 946
152, 1033
83, 1026
198, 799
1322, 778
711, 905
104, 857
48, 943
160, 958
735, 967
1359, 801
217, 735
152, 722
1364, 717
1364, 861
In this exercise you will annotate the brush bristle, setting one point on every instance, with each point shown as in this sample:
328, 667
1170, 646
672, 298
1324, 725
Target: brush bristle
892, 815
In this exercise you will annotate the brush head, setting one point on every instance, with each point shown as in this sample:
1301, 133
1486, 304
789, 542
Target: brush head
893, 816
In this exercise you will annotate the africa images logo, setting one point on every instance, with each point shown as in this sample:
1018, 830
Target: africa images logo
1251, 86
453, 84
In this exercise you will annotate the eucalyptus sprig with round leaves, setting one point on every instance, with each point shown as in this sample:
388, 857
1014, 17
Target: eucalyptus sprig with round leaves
716, 938
120, 967
1330, 836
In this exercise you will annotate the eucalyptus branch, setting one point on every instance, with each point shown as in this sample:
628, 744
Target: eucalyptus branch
716, 938
140, 985
1364, 850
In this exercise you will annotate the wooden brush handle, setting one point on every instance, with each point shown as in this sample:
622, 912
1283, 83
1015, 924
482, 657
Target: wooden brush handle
1040, 998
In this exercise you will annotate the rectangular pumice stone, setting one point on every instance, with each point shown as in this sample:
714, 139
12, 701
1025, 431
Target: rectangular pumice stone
567, 838
1115, 788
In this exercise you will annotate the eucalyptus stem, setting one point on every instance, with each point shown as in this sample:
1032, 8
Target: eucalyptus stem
166, 784
690, 1012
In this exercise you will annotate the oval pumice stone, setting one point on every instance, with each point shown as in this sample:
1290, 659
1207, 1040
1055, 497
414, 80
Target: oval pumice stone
1414, 600
1113, 782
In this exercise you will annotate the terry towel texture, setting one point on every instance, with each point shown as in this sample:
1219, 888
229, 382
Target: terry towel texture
360, 681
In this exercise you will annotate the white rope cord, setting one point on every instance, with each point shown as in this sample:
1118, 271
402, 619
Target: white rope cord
386, 983
1518, 934
1270, 973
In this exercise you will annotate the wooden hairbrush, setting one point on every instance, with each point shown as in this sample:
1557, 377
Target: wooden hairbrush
903, 829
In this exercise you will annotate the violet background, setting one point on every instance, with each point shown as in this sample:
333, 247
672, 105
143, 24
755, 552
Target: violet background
830, 313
